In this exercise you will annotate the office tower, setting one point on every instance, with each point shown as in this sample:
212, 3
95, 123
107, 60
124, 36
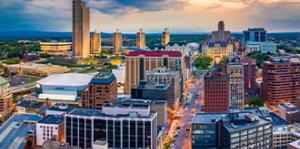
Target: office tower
249, 75
5, 97
95, 43
220, 34
81, 29
122, 126
50, 127
255, 35
164, 76
281, 80
231, 130
117, 42
56, 48
235, 69
148, 89
217, 50
216, 92
165, 37
101, 90
140, 39
137, 63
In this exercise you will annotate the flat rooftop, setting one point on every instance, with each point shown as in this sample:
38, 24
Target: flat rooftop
67, 79
104, 78
14, 131
52, 119
150, 84
63, 107
31, 104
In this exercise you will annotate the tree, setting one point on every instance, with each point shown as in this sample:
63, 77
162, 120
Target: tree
203, 62
257, 102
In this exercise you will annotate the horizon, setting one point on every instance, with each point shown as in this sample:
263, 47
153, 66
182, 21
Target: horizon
181, 16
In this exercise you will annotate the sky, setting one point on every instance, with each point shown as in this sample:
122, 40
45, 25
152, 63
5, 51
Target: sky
153, 15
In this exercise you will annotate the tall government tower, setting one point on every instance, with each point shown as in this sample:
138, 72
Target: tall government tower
81, 29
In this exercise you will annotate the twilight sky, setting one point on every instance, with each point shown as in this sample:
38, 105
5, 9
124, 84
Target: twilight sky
153, 15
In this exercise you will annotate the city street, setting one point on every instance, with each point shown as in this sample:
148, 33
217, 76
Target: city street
179, 127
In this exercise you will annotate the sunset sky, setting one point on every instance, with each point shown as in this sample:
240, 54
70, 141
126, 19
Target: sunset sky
153, 15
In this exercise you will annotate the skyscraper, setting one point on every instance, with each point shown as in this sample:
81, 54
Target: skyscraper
255, 35
165, 37
140, 39
81, 29
235, 69
95, 43
220, 34
117, 42
5, 97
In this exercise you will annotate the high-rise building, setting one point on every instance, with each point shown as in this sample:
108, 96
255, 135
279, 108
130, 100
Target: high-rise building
95, 43
231, 130
164, 76
220, 34
140, 39
281, 80
216, 92
137, 63
101, 90
50, 127
235, 69
117, 42
121, 126
166, 38
249, 75
5, 98
81, 29
217, 50
255, 35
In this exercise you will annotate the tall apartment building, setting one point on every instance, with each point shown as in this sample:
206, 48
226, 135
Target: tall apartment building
137, 63
216, 92
235, 69
140, 39
117, 42
255, 35
5, 97
221, 34
101, 90
231, 131
249, 75
281, 80
95, 43
50, 127
217, 50
164, 76
81, 29
121, 126
166, 37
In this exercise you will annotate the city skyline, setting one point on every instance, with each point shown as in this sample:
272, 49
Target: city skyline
153, 16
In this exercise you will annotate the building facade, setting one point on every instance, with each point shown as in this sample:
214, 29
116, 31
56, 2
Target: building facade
166, 37
117, 42
289, 112
231, 131
281, 80
5, 97
95, 43
137, 63
56, 48
221, 34
249, 75
101, 90
121, 126
217, 50
50, 127
235, 69
81, 29
216, 92
140, 39
255, 35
